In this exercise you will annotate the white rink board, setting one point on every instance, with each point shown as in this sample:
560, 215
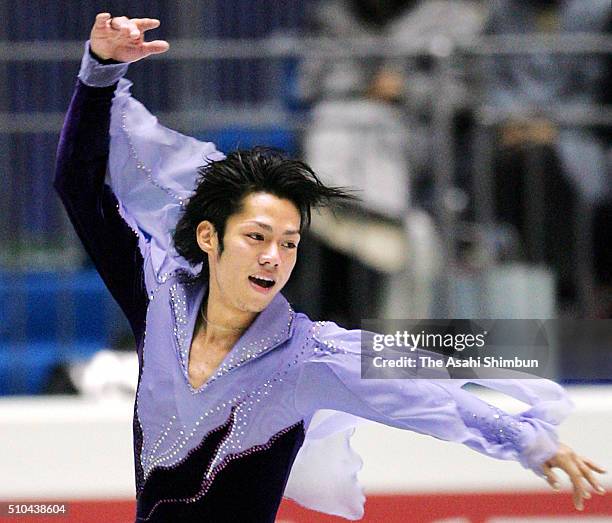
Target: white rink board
68, 447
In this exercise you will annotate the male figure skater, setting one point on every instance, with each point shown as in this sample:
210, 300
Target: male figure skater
230, 376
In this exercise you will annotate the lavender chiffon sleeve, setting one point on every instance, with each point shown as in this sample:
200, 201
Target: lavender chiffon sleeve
152, 170
331, 379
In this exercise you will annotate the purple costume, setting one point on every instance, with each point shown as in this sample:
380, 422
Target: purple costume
289, 389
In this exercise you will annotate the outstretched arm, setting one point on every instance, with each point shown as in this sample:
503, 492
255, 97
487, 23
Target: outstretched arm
330, 378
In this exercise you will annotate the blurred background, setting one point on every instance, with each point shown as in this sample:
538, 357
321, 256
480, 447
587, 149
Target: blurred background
478, 135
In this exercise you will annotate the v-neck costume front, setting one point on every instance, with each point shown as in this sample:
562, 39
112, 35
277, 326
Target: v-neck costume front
200, 433
230, 449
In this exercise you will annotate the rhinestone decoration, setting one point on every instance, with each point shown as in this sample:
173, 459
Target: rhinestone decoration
142, 167
161, 279
331, 347
127, 222
207, 481
498, 427
178, 301
239, 356
144, 434
240, 413
242, 404
250, 450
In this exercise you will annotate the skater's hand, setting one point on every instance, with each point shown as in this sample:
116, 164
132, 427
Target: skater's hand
122, 38
578, 469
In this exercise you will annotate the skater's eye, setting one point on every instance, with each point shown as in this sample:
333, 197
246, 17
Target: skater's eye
255, 236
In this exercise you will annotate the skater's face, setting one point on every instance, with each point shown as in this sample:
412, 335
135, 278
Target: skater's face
258, 255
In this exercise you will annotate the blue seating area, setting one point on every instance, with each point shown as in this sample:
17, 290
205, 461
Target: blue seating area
49, 318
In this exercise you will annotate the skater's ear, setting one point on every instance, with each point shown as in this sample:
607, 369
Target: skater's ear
207, 237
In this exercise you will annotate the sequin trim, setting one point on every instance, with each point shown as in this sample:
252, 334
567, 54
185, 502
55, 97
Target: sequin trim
178, 301
161, 280
122, 213
323, 345
145, 434
148, 172
208, 434
208, 479
497, 427
243, 402
250, 450
240, 356
185, 435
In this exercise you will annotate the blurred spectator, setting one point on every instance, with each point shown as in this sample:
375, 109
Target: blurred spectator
374, 114
389, 95
534, 149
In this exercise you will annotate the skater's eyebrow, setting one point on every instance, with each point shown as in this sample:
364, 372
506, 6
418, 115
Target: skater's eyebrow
270, 229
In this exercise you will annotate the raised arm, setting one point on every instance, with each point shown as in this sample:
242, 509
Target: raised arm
121, 176
331, 379
82, 159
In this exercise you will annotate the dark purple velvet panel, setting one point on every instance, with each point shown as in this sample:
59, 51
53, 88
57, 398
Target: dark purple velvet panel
248, 488
81, 162
82, 157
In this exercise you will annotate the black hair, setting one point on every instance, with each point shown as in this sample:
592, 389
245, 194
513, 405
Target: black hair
223, 185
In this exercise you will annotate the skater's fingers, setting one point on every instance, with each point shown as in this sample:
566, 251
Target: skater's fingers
101, 20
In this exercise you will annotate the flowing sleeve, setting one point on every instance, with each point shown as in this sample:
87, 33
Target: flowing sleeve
331, 379
151, 170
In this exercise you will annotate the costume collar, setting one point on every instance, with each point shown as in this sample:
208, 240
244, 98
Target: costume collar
271, 327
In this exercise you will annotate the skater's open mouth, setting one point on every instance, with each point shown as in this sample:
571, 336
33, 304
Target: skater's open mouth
262, 281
